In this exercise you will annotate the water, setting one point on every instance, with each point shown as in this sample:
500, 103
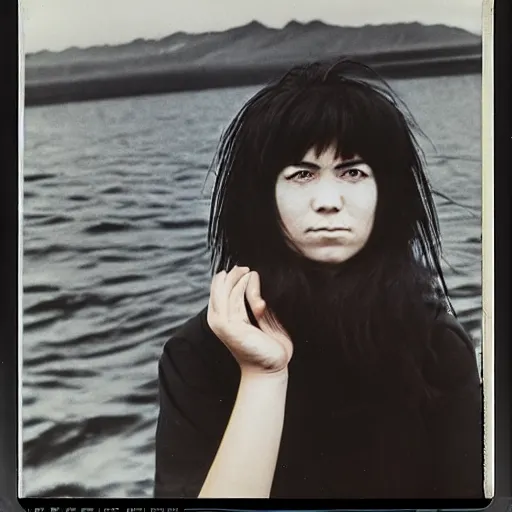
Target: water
114, 259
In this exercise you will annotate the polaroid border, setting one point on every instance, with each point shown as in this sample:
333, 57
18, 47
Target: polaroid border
488, 299
496, 483
502, 142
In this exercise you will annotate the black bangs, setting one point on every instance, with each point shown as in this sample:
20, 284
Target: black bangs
349, 116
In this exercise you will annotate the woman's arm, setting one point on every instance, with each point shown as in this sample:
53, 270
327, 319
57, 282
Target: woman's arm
246, 460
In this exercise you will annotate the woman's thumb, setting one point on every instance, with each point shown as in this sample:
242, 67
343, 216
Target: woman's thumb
253, 295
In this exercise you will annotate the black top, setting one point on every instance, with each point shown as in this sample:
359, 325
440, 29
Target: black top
334, 446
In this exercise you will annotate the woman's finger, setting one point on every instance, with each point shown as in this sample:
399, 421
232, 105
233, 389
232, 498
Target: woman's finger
223, 286
216, 287
236, 299
233, 277
253, 294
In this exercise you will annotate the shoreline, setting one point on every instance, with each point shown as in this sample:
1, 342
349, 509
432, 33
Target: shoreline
394, 65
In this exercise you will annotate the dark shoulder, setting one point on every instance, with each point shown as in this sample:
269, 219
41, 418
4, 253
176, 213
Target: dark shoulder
451, 359
195, 333
197, 354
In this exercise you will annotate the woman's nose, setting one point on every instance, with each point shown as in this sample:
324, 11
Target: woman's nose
327, 197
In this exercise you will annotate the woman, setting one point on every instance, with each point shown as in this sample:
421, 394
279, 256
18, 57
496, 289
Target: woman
327, 363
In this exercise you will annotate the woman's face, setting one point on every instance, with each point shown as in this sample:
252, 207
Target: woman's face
327, 205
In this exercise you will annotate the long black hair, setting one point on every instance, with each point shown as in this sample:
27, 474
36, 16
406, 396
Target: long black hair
378, 305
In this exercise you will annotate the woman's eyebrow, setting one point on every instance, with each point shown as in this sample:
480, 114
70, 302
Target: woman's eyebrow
350, 163
315, 167
307, 165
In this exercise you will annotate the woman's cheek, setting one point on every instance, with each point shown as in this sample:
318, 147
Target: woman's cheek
292, 215
368, 198
290, 205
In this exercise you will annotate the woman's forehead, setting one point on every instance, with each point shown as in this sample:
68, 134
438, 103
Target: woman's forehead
329, 154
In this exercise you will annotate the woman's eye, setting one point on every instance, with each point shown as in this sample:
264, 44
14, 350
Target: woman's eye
300, 175
354, 174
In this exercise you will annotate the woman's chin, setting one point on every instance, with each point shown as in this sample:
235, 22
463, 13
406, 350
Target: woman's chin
330, 255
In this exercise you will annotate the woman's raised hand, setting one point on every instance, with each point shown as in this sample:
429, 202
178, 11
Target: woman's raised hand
265, 348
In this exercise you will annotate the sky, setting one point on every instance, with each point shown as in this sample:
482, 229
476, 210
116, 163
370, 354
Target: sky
58, 24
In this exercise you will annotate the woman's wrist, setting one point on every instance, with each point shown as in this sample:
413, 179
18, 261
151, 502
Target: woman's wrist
257, 375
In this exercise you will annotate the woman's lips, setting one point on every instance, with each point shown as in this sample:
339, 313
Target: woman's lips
328, 234
327, 230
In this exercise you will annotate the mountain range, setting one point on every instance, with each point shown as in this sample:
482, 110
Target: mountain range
247, 46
